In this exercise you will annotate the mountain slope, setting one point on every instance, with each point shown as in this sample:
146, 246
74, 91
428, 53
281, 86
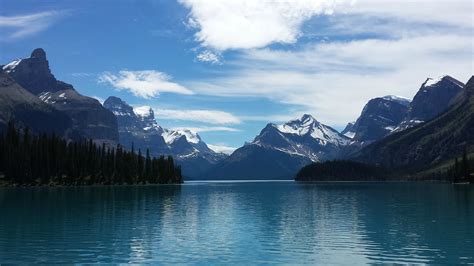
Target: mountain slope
193, 154
379, 117
433, 98
27, 110
139, 129
430, 143
88, 116
279, 151
138, 126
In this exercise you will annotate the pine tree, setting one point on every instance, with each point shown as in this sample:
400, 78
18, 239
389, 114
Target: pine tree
465, 166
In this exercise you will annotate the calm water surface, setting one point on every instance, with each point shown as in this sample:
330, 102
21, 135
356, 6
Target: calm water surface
241, 222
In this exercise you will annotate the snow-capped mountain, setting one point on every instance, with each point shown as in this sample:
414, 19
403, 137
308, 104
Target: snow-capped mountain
379, 118
433, 98
138, 126
281, 150
305, 137
89, 118
386, 115
348, 131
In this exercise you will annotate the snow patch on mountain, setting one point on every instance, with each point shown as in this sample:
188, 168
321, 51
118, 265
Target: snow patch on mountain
10, 67
308, 126
398, 99
171, 136
350, 134
431, 82
143, 111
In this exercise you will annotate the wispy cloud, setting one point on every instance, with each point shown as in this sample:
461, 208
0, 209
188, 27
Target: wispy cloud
208, 56
207, 129
222, 148
82, 75
334, 80
22, 26
145, 84
215, 117
271, 118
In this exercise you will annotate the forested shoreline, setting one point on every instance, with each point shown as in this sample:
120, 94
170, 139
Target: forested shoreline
341, 170
46, 159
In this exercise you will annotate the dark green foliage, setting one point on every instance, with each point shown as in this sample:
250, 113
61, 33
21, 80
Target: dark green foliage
340, 171
462, 172
26, 159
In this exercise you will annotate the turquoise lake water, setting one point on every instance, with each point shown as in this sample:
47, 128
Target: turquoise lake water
240, 222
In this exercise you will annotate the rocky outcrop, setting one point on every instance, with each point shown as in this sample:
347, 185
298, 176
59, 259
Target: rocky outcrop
88, 116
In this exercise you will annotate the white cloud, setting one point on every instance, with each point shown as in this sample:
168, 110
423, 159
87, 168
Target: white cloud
208, 56
207, 129
243, 24
222, 148
205, 116
17, 27
271, 118
333, 81
145, 84
452, 12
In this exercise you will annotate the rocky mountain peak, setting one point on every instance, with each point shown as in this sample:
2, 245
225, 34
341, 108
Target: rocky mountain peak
38, 53
434, 82
144, 112
434, 96
34, 74
171, 136
118, 107
398, 99
469, 88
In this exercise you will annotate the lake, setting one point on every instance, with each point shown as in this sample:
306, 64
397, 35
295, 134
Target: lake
244, 222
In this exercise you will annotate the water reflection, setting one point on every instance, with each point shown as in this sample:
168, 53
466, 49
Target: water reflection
239, 222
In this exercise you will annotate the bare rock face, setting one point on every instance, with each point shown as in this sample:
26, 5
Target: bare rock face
139, 130
434, 97
418, 148
38, 53
88, 116
26, 110
379, 118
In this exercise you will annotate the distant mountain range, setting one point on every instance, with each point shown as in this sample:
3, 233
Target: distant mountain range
391, 131
138, 127
281, 150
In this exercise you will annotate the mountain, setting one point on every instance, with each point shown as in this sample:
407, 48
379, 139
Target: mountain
379, 117
88, 116
279, 151
433, 98
193, 154
27, 110
348, 131
138, 126
428, 144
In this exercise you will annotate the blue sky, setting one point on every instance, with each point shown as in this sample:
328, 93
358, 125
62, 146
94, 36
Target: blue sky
226, 68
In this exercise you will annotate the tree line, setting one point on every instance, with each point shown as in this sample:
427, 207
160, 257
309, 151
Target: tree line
340, 170
27, 159
460, 172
